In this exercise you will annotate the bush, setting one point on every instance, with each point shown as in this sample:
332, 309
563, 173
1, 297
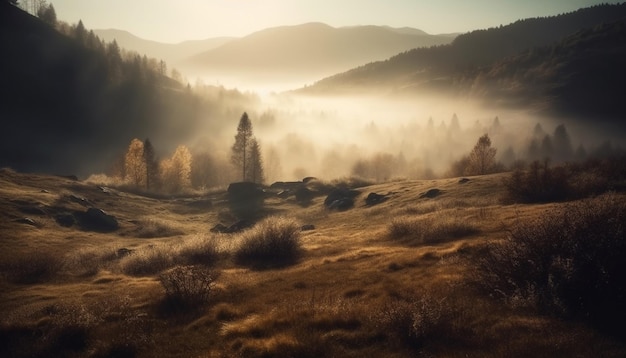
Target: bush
199, 250
147, 261
538, 184
426, 231
272, 242
187, 287
570, 262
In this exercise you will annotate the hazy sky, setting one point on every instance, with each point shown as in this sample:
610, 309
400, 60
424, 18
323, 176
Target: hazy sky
179, 20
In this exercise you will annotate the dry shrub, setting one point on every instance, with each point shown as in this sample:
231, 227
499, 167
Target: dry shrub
414, 322
155, 228
428, 230
88, 261
199, 250
569, 262
147, 260
34, 267
274, 242
188, 287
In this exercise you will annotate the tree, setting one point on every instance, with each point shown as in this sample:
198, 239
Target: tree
241, 148
256, 163
482, 157
563, 150
134, 164
151, 164
47, 14
176, 171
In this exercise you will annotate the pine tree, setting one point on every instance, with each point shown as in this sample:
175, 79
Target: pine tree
241, 148
257, 174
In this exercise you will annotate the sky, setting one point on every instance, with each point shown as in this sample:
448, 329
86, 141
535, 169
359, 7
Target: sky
174, 21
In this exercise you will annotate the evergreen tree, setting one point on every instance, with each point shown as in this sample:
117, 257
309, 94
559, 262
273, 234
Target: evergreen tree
47, 14
241, 149
563, 150
257, 174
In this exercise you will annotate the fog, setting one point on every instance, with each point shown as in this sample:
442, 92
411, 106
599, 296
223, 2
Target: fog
417, 137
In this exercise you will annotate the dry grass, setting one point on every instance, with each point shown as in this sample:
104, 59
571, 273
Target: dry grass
345, 289
430, 230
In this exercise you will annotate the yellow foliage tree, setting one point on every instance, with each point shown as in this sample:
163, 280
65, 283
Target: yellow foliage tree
176, 171
134, 163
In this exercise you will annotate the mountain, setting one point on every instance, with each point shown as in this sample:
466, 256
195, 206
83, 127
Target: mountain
308, 51
170, 53
548, 64
70, 104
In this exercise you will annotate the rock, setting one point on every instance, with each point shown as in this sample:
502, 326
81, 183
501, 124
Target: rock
307, 227
219, 228
308, 179
431, 193
304, 195
286, 185
240, 226
97, 220
463, 180
234, 228
284, 194
338, 195
27, 221
341, 204
32, 210
65, 219
373, 199
80, 200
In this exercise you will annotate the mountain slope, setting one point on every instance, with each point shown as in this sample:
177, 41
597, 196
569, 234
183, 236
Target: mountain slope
170, 53
310, 50
531, 62
423, 66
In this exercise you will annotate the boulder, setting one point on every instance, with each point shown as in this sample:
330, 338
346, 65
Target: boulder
463, 180
65, 219
27, 221
338, 195
123, 252
307, 227
431, 193
341, 204
95, 219
373, 199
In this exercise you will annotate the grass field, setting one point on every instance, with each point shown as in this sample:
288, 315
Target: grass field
395, 279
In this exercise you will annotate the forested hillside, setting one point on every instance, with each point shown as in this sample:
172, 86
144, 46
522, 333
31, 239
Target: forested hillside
71, 103
549, 63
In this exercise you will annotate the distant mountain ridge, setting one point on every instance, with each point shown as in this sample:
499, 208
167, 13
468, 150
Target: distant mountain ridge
169, 52
310, 50
474, 63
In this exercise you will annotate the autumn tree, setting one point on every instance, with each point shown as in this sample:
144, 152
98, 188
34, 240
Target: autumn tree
151, 164
134, 164
242, 146
176, 171
482, 158
256, 173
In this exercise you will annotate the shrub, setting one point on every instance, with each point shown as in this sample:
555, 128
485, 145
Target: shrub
273, 242
147, 261
200, 250
570, 262
425, 231
414, 322
153, 228
187, 287
538, 184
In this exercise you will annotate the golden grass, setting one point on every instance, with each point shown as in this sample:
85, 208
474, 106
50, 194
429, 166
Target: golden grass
353, 292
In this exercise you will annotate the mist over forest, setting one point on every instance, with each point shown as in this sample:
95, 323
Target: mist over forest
79, 101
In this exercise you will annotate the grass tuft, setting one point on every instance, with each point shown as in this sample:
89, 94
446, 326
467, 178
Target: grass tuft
417, 231
274, 242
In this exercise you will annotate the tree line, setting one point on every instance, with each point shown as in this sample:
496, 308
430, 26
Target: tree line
140, 167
